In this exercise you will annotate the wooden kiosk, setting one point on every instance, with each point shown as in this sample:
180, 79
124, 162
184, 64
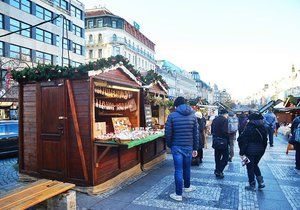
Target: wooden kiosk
153, 115
60, 121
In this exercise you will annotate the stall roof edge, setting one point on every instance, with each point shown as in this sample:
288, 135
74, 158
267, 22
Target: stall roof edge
123, 68
159, 84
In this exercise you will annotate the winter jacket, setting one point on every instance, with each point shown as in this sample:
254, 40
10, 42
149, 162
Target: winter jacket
219, 127
182, 128
243, 119
295, 124
201, 128
270, 120
253, 141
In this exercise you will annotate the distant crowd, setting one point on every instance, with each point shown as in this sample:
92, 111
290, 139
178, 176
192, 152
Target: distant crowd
186, 133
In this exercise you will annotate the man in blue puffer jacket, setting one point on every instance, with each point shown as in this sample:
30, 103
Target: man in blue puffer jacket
182, 137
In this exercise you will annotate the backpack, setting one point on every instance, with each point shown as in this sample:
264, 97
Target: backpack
233, 124
297, 133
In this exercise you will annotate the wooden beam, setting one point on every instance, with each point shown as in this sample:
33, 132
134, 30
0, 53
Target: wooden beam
77, 131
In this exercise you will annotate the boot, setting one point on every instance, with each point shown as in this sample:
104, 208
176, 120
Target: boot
251, 186
260, 181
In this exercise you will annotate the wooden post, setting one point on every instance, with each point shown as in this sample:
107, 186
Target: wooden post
77, 131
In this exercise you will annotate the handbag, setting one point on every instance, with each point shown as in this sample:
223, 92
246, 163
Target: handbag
219, 143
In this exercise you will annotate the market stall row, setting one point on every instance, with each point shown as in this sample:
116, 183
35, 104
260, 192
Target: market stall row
90, 131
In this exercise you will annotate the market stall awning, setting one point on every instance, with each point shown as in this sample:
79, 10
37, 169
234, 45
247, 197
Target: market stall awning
118, 75
156, 87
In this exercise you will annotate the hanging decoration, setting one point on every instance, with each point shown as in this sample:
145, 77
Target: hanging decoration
44, 72
131, 105
112, 93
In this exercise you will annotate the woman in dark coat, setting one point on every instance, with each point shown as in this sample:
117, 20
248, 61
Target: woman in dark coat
201, 126
252, 144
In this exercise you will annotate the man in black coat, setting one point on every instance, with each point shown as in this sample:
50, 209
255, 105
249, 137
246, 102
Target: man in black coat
253, 143
219, 129
295, 124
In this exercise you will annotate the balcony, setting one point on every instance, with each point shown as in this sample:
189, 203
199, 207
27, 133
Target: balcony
94, 43
121, 41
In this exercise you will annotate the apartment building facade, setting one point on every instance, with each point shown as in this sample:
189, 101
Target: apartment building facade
110, 35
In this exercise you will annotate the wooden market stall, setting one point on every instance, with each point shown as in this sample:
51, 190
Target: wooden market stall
69, 129
153, 114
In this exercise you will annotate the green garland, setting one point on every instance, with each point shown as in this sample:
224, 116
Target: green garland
44, 72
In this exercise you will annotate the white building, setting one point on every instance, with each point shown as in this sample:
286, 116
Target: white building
180, 82
44, 43
109, 35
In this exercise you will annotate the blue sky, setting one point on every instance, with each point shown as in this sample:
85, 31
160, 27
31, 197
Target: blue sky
238, 44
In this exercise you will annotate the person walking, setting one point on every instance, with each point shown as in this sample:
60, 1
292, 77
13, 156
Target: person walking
295, 132
182, 136
243, 120
233, 125
252, 144
201, 126
219, 130
270, 123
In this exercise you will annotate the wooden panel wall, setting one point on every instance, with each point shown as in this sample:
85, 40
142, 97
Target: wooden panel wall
82, 102
29, 143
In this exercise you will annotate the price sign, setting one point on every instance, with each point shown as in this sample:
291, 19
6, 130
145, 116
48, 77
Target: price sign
148, 115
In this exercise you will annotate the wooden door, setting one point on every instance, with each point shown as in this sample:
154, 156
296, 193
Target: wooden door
52, 141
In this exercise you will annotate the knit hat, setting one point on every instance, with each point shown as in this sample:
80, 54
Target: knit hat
223, 111
179, 101
255, 116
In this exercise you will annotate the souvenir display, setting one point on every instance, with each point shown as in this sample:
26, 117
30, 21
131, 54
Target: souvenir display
112, 93
99, 128
131, 105
121, 124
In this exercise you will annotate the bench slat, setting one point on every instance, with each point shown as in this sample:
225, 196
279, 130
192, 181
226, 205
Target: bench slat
24, 188
42, 196
15, 199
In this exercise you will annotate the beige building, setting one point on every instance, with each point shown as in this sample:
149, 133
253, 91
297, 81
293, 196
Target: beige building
110, 35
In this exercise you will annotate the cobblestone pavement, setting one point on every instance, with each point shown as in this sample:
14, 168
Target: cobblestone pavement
152, 190
8, 175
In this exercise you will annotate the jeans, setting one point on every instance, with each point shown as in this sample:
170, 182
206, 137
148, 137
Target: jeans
182, 156
271, 135
221, 159
232, 138
297, 148
252, 167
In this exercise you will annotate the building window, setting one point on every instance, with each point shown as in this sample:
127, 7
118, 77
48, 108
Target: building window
43, 13
47, 37
90, 24
1, 21
90, 54
16, 25
66, 62
1, 48
114, 38
99, 53
75, 64
64, 4
43, 58
99, 37
100, 22
56, 2
114, 24
66, 44
21, 4
90, 38
75, 12
19, 52
77, 48
43, 36
67, 24
77, 30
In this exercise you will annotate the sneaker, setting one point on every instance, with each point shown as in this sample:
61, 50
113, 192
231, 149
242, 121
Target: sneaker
190, 189
219, 175
176, 197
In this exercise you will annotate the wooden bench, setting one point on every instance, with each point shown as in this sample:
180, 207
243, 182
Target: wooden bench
33, 194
